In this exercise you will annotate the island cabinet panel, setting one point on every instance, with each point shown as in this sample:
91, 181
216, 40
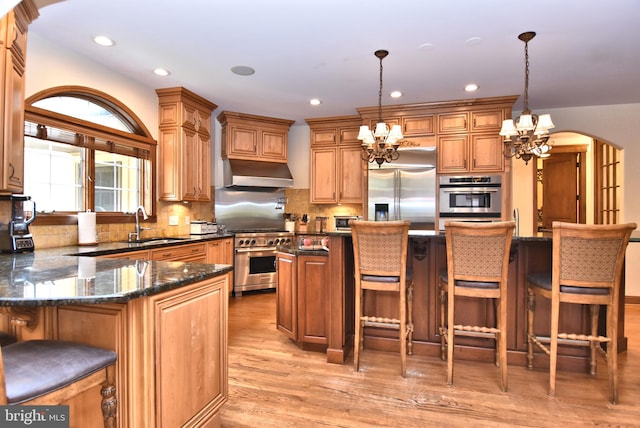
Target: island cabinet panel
302, 300
312, 294
172, 355
286, 295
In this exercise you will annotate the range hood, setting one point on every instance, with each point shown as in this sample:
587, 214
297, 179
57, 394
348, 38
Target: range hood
256, 175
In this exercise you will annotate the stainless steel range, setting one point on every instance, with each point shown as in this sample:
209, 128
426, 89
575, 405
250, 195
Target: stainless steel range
255, 259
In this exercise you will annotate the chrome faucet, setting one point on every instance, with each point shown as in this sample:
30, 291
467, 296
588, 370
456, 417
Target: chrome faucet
138, 228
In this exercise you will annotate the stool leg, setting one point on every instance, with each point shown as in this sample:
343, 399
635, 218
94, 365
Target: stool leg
443, 312
502, 326
450, 334
531, 307
410, 318
358, 329
593, 363
109, 400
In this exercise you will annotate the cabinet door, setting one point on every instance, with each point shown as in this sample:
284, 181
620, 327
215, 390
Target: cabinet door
220, 251
286, 295
487, 152
313, 284
323, 137
486, 120
417, 125
13, 97
452, 122
452, 153
182, 253
351, 177
323, 175
190, 159
243, 141
274, 145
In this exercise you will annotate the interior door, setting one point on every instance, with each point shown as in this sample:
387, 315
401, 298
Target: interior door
560, 184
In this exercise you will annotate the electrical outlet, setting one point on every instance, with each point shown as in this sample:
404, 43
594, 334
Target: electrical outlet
173, 220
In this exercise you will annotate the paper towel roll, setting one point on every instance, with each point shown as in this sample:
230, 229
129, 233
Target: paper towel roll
87, 228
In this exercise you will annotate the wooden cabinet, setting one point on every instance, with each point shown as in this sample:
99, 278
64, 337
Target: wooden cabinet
302, 297
337, 169
250, 137
13, 45
220, 251
181, 253
470, 147
184, 146
286, 295
130, 255
172, 354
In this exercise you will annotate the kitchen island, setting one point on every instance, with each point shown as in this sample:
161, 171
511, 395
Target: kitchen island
167, 322
427, 257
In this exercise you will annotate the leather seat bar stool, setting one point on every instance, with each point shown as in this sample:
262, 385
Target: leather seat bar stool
477, 267
50, 372
587, 262
380, 261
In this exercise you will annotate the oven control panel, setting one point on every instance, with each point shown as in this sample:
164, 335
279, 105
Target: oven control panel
262, 240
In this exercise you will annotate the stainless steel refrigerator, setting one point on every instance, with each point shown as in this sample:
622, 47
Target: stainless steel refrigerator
405, 189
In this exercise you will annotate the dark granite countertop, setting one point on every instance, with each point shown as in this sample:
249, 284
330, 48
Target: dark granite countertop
59, 276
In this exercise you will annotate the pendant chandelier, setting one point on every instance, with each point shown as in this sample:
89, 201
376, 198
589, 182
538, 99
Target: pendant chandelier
528, 136
381, 145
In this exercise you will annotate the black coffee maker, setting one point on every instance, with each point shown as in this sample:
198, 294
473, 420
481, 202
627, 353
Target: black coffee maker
16, 213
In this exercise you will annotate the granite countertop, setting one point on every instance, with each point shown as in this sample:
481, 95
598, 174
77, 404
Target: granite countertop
73, 275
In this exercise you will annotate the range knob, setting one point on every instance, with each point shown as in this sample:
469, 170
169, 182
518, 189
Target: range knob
270, 242
240, 242
253, 242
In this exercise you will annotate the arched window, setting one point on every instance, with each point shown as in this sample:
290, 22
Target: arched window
84, 150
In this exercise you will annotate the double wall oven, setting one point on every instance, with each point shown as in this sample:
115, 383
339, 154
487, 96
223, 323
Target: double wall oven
470, 198
255, 259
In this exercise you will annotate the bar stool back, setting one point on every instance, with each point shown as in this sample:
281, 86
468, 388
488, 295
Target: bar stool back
477, 267
587, 265
380, 261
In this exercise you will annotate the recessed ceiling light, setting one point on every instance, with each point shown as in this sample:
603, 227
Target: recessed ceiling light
473, 41
161, 72
315, 102
426, 46
396, 94
242, 70
103, 41
471, 87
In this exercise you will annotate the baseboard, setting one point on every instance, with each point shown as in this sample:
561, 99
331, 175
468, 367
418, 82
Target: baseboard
632, 300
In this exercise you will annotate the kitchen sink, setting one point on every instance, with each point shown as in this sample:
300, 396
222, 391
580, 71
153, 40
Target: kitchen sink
155, 241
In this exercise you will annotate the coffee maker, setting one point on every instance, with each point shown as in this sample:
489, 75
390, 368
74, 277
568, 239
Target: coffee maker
16, 213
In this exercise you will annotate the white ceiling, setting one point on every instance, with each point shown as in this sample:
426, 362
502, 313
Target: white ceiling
586, 52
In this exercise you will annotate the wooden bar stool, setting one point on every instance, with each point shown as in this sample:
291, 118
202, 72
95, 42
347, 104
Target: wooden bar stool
587, 265
477, 267
380, 261
50, 372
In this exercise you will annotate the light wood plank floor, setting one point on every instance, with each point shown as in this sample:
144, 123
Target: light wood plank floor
272, 383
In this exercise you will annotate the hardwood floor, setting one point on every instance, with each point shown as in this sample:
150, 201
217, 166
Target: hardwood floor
273, 383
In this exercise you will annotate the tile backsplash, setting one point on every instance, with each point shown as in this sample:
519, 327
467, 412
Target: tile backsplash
298, 204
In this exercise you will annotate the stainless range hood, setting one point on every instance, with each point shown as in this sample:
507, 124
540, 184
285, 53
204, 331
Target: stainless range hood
256, 175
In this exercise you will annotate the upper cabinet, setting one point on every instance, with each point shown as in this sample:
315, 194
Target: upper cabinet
469, 142
13, 44
464, 132
337, 169
184, 146
250, 137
